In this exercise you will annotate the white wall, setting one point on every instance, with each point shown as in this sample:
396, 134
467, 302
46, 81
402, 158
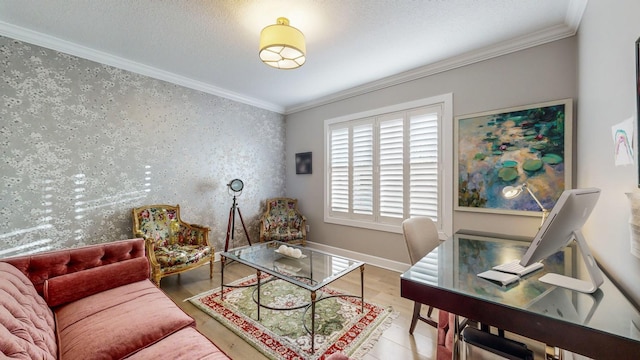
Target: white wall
546, 72
607, 92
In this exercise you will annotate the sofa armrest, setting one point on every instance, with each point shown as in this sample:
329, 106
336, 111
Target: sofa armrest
71, 287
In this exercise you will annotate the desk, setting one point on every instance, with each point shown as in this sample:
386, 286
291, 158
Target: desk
603, 325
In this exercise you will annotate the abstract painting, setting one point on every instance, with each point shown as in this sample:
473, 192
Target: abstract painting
529, 144
303, 163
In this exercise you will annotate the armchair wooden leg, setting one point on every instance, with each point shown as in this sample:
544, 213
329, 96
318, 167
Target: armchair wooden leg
156, 279
211, 269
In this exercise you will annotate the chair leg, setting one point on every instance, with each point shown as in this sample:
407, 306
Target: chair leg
211, 269
428, 319
416, 315
156, 279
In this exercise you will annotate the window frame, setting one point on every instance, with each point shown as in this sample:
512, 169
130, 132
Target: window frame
445, 163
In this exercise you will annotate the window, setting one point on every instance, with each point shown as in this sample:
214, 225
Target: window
386, 165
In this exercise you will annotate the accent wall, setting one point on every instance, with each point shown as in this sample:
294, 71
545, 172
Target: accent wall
82, 143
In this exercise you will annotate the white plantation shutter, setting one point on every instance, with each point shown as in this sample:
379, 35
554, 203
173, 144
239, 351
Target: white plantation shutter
339, 170
384, 168
423, 162
423, 177
391, 152
362, 169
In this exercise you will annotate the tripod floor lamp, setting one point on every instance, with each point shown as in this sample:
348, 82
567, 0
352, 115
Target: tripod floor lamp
235, 187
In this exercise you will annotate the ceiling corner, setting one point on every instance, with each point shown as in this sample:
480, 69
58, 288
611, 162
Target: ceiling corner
575, 11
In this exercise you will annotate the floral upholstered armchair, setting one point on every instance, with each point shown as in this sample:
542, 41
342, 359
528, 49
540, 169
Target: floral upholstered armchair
283, 222
172, 246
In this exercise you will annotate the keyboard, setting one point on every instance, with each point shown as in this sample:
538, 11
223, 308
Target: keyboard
514, 267
502, 278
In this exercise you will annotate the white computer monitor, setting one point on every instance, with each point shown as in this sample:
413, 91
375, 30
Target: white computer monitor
563, 225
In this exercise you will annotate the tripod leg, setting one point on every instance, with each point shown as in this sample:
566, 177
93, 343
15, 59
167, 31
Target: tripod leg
244, 227
226, 243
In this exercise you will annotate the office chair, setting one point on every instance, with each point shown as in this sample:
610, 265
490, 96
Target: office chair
421, 236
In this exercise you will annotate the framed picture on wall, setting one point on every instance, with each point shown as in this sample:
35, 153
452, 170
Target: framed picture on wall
303, 163
527, 145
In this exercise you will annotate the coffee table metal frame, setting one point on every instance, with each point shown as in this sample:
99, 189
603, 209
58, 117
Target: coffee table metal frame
262, 258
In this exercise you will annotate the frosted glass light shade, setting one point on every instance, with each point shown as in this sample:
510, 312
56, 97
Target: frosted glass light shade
511, 192
282, 46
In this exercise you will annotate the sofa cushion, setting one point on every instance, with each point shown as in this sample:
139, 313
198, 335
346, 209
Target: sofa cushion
26, 322
117, 322
186, 344
70, 287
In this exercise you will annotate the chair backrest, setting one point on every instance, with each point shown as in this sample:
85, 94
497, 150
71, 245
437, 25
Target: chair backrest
421, 235
157, 222
284, 211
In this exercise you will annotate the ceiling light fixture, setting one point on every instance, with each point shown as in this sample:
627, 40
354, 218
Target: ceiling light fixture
282, 46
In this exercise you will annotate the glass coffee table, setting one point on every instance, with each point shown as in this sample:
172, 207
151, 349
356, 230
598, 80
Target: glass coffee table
312, 271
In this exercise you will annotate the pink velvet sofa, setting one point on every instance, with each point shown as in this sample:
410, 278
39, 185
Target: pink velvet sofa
93, 302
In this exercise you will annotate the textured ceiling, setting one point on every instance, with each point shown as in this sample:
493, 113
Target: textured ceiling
352, 45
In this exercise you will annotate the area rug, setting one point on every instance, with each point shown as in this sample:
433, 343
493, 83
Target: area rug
280, 334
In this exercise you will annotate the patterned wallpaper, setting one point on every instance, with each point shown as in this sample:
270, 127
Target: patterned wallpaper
82, 143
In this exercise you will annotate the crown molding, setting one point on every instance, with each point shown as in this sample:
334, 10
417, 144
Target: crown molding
574, 15
575, 11
51, 42
517, 44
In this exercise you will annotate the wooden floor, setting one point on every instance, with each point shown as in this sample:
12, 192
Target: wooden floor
382, 287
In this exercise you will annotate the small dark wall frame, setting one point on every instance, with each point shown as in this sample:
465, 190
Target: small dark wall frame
303, 163
638, 99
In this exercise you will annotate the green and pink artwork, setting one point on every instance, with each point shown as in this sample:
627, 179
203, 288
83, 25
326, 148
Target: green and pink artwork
527, 144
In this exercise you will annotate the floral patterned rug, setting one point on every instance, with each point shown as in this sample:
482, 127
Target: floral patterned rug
281, 334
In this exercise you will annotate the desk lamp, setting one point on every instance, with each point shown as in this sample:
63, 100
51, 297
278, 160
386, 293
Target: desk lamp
512, 192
